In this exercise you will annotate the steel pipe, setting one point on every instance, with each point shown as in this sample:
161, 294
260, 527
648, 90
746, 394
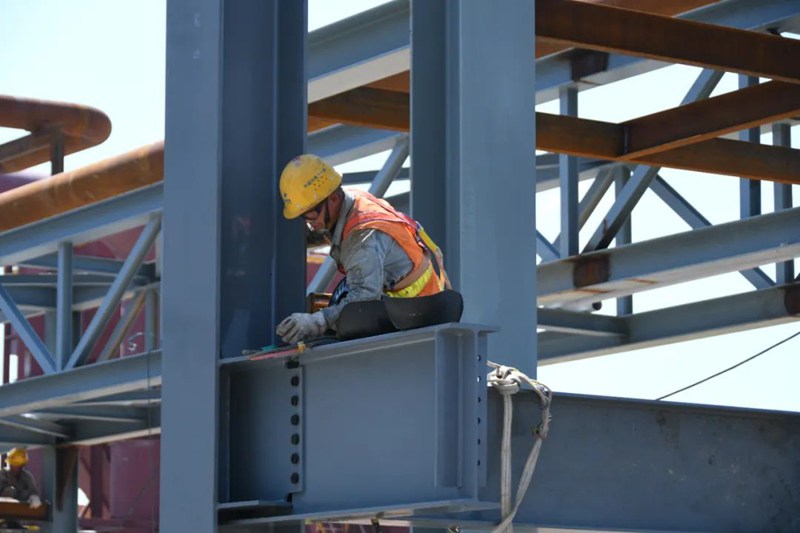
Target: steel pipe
81, 126
77, 188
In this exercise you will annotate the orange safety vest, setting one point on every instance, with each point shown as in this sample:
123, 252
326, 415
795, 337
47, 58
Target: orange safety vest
369, 212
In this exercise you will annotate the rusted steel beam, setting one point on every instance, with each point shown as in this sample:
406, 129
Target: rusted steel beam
658, 7
93, 183
365, 106
579, 136
315, 123
602, 140
545, 47
82, 127
733, 158
611, 29
673, 128
706, 119
398, 82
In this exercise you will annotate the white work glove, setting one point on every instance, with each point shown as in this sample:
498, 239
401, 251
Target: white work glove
301, 327
34, 502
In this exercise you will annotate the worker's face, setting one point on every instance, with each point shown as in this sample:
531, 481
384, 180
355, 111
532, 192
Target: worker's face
15, 468
317, 218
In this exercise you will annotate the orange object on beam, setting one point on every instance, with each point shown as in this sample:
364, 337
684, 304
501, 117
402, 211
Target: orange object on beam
93, 183
81, 126
610, 29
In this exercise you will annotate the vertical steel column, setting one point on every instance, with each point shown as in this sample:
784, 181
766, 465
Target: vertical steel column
431, 76
150, 320
568, 170
232, 266
59, 484
63, 341
98, 474
190, 277
56, 321
60, 488
624, 236
56, 151
264, 127
782, 136
749, 190
465, 54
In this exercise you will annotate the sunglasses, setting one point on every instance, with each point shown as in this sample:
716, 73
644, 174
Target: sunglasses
314, 213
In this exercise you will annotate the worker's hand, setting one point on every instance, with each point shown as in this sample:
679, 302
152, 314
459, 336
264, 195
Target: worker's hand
301, 327
34, 502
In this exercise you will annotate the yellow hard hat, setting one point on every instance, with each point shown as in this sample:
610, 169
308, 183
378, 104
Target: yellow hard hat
305, 182
17, 457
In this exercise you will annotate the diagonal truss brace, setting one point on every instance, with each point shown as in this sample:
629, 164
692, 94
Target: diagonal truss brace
115, 292
757, 277
632, 192
31, 339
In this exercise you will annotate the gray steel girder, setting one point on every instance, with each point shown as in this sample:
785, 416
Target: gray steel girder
705, 252
607, 464
611, 464
603, 335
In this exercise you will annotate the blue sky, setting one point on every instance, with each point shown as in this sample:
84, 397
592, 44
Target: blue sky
110, 54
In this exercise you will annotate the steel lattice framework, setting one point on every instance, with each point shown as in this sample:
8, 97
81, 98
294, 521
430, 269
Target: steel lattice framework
401, 427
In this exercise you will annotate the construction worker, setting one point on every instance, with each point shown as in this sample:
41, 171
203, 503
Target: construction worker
16, 481
380, 250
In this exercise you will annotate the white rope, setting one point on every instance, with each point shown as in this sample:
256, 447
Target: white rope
508, 381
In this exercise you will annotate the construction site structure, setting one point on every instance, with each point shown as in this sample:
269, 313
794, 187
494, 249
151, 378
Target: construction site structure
134, 287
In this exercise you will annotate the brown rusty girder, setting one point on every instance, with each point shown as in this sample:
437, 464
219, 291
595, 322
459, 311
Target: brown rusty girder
667, 138
669, 8
706, 119
610, 29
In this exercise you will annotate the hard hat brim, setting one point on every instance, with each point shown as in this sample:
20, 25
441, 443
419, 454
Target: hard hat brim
291, 213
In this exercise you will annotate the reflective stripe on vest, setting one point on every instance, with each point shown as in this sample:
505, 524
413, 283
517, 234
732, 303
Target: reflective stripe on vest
416, 287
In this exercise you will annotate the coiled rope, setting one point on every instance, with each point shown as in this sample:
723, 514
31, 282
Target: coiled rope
507, 381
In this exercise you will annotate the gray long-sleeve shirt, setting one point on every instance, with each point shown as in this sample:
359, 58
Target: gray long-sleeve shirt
20, 486
372, 261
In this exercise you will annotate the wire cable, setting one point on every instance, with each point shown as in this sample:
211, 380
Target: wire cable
740, 363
